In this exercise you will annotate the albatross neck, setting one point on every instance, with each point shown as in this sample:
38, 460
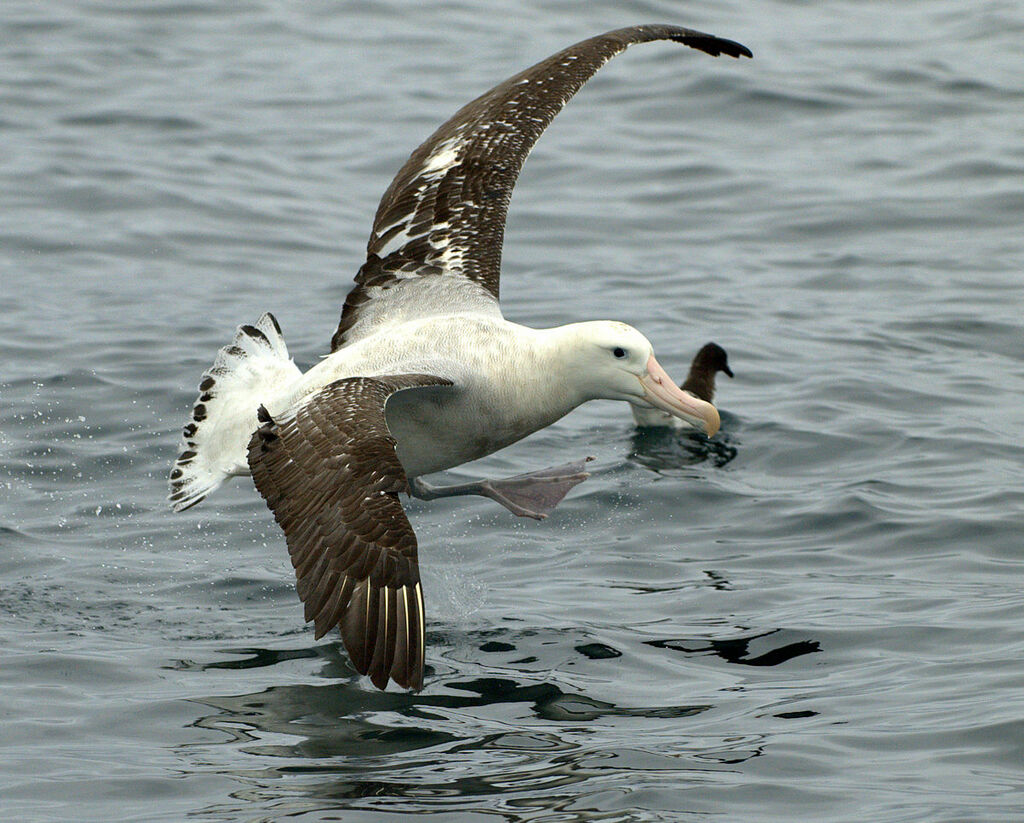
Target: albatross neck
561, 353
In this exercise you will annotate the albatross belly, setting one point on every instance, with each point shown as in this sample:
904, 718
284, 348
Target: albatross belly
437, 429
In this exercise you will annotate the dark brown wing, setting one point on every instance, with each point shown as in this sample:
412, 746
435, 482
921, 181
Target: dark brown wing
444, 213
329, 472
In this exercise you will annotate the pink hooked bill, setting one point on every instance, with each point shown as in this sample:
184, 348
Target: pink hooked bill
662, 393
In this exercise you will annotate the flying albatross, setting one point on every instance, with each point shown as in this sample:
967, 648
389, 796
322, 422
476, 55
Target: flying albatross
424, 374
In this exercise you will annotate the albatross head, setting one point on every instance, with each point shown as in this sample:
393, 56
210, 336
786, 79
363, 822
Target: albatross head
616, 362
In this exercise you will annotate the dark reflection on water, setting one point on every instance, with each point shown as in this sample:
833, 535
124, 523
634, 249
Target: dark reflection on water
281, 706
737, 650
662, 449
357, 749
258, 658
548, 702
598, 651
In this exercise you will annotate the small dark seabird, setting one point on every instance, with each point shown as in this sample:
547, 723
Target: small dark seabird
424, 374
700, 382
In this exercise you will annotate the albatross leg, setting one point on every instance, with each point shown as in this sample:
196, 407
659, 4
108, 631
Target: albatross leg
533, 494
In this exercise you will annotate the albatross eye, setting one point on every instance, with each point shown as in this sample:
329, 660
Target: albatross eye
619, 352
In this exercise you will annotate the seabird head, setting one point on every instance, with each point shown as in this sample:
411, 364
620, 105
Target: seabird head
616, 362
710, 360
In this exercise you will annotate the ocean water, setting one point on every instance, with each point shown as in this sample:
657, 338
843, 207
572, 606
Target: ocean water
818, 615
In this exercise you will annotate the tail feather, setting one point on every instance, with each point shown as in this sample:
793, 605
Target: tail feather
250, 372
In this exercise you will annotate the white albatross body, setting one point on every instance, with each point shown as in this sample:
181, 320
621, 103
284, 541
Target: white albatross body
510, 381
424, 374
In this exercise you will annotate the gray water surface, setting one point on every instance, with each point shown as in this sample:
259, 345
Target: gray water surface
815, 616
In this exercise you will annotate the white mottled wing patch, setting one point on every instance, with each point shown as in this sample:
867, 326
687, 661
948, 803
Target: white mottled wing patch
444, 213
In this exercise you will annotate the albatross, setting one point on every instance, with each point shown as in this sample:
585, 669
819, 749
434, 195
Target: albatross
424, 373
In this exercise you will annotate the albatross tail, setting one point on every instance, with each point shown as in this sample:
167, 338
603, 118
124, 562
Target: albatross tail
252, 371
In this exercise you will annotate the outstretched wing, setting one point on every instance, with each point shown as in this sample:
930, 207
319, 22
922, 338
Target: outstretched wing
329, 472
444, 213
